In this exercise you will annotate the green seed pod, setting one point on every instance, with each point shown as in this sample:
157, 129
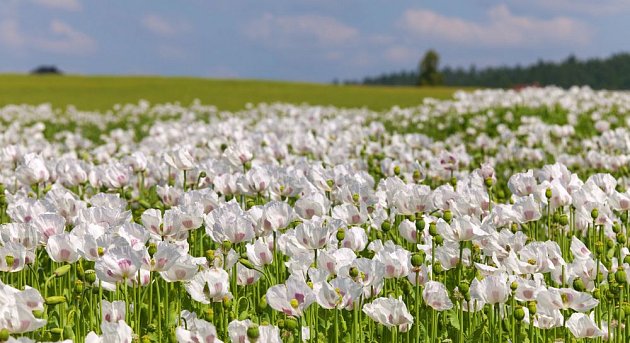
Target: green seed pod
514, 286
416, 175
448, 216
61, 271
397, 170
341, 234
619, 314
386, 226
152, 249
556, 217
247, 165
417, 259
437, 268
624, 216
433, 229
330, 183
594, 213
281, 324
519, 313
38, 314
616, 227
420, 224
548, 193
578, 285
453, 181
78, 286
253, 333
355, 197
439, 239
55, 299
464, 287
488, 182
514, 227
90, 276
226, 246
209, 314
621, 238
620, 277
354, 272
564, 219
610, 243
531, 306
4, 335
626, 259
291, 324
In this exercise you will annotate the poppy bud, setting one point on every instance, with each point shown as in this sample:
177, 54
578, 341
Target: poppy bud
626, 259
597, 294
90, 276
354, 272
209, 314
610, 243
4, 335
202, 175
262, 304
145, 339
564, 219
417, 259
253, 333
246, 263
620, 277
38, 314
619, 314
578, 285
594, 213
55, 299
531, 306
386, 226
63, 270
548, 193
433, 229
616, 227
397, 170
624, 216
281, 324
341, 234
514, 285
519, 313
448, 216
556, 217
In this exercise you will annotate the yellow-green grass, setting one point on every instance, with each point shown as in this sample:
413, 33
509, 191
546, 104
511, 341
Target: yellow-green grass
102, 92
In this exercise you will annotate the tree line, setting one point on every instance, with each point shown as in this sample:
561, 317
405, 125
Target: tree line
608, 73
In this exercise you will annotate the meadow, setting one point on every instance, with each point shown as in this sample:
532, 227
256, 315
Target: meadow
487, 216
103, 92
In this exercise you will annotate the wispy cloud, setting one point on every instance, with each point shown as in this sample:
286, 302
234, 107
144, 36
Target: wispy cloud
61, 38
500, 28
67, 5
160, 26
305, 29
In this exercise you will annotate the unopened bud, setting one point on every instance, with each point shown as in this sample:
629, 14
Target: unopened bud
63, 270
55, 300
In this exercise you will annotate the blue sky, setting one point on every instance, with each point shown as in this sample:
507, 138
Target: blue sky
309, 40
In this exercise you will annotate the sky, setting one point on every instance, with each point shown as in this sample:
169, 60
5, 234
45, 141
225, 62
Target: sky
301, 40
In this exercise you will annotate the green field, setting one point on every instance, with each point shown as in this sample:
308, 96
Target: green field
102, 92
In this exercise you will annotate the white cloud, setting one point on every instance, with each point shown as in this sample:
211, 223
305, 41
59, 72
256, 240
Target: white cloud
163, 27
61, 38
591, 7
286, 30
67, 5
501, 28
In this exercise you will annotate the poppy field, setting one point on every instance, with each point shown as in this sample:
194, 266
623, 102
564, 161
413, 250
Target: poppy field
493, 216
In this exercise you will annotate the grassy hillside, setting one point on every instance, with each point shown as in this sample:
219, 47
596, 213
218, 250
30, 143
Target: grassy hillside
101, 92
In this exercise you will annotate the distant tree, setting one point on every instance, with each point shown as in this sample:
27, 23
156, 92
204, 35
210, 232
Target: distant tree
429, 73
46, 69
